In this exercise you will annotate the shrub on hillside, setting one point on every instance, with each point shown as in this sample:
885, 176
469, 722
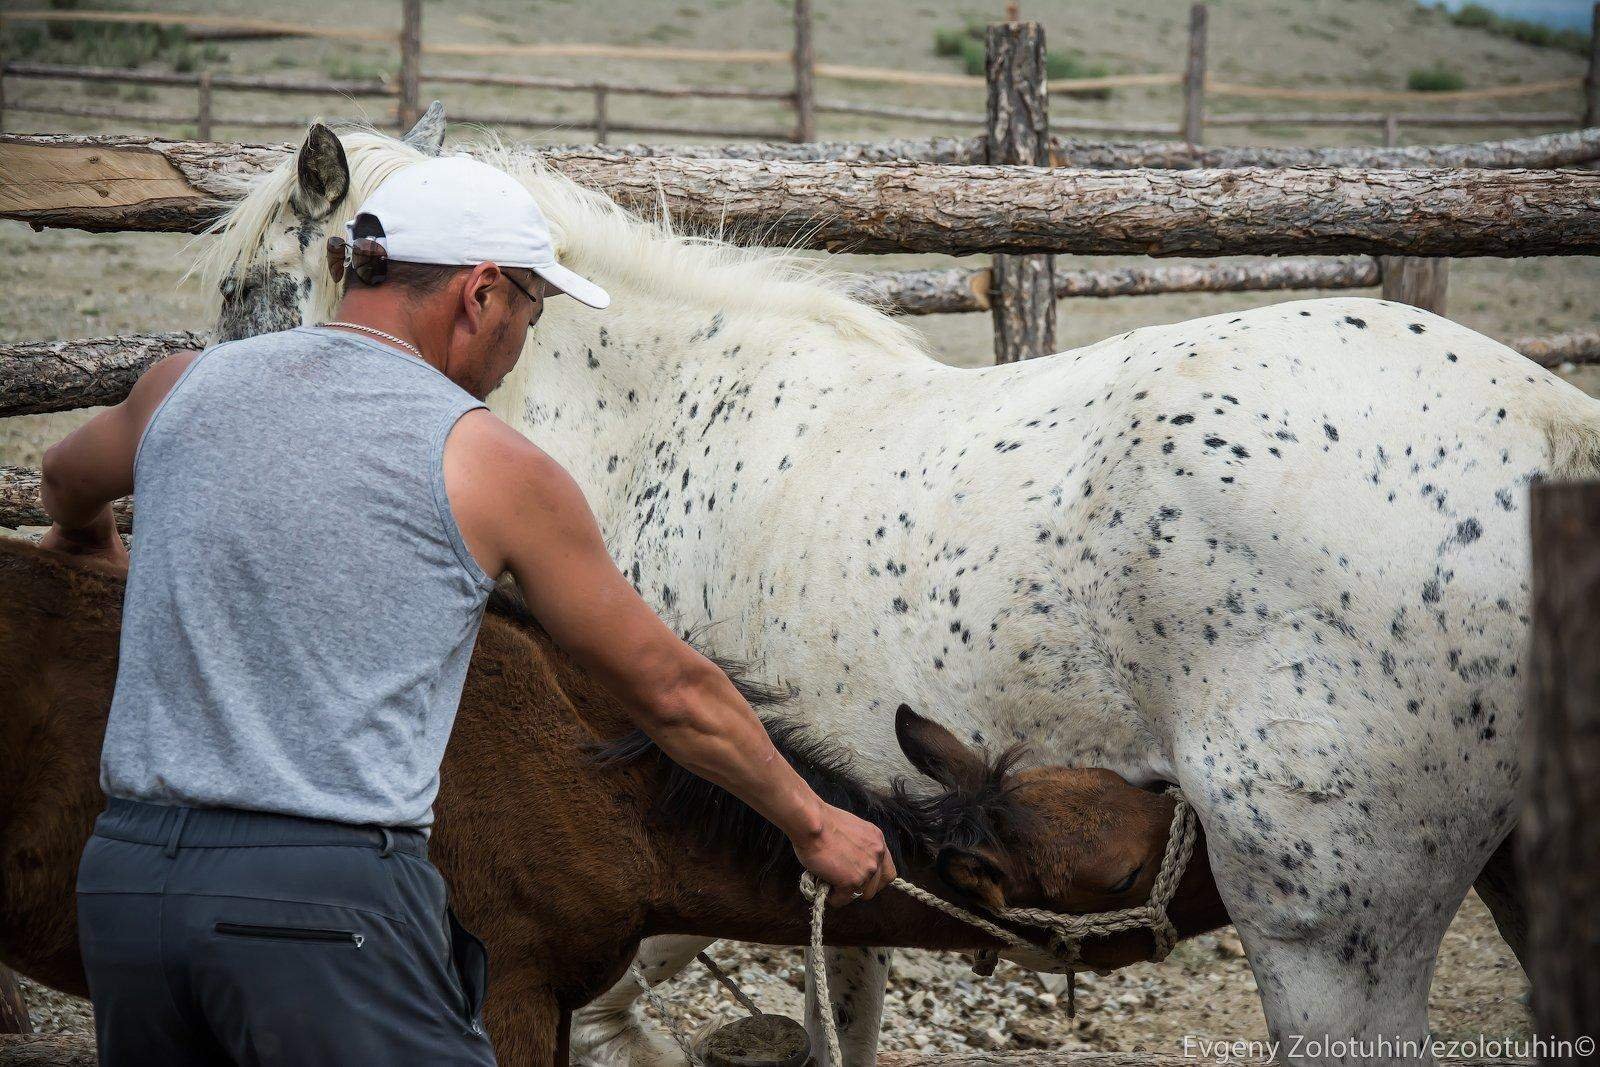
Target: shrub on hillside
1435, 79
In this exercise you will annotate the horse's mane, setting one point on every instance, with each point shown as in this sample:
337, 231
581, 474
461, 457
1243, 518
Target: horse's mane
913, 824
625, 253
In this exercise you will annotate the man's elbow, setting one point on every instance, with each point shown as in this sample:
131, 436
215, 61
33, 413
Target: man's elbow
53, 473
682, 701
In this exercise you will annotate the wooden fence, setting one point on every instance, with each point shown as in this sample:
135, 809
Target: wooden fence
1195, 85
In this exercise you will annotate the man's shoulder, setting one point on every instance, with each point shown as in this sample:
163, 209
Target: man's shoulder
482, 437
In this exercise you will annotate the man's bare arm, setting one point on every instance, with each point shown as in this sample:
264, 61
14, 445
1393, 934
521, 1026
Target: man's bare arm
520, 511
92, 466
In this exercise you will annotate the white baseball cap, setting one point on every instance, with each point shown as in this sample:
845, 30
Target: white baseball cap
456, 210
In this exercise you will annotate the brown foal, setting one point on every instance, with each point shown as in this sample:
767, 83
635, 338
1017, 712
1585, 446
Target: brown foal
565, 837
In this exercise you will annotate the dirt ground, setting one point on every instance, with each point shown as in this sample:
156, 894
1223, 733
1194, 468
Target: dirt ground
935, 1003
60, 284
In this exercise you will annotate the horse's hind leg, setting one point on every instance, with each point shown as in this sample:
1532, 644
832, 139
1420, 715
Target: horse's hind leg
1336, 825
1499, 885
856, 978
609, 1031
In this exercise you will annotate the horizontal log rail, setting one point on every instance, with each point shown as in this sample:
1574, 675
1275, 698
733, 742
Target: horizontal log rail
953, 290
1549, 150
158, 18
1394, 96
109, 184
21, 504
42, 376
1440, 120
589, 85
1578, 346
238, 83
552, 122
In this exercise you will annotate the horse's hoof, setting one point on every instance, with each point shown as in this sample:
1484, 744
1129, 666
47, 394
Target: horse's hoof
758, 1041
630, 1043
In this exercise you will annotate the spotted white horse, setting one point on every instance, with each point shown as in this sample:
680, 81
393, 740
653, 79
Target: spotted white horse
1278, 557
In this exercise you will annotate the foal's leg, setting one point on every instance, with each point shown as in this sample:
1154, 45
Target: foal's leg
610, 1032
524, 1020
856, 979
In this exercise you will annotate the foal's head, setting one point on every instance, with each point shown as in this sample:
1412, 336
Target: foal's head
1063, 838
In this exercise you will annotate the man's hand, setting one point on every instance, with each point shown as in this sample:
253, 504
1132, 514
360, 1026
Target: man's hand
848, 854
99, 540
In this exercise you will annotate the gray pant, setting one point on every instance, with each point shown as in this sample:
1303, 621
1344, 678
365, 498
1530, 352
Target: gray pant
215, 936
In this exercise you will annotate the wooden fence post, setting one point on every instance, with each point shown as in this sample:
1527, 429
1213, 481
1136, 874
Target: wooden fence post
1559, 836
13, 1005
805, 74
1591, 80
601, 124
1420, 282
410, 63
1194, 77
1022, 296
202, 122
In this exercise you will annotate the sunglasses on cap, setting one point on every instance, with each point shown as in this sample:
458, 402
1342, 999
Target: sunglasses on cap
368, 259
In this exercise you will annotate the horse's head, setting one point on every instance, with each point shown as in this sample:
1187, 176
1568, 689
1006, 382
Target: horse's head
268, 275
1060, 838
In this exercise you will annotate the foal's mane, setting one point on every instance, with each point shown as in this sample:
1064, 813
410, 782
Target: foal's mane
965, 815
632, 257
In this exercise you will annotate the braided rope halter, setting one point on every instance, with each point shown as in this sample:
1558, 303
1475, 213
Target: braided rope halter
1066, 933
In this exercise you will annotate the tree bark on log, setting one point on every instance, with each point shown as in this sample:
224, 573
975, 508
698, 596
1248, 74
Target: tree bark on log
1024, 311
908, 207
20, 503
1560, 832
1552, 150
958, 289
41, 376
47, 1050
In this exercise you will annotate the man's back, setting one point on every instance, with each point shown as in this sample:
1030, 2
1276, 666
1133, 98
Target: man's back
298, 582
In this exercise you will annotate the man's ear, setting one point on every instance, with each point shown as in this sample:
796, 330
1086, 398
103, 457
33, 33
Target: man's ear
322, 174
973, 873
935, 752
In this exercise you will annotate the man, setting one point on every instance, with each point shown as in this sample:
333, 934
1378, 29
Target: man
322, 514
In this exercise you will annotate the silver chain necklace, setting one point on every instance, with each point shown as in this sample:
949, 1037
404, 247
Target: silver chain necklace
407, 345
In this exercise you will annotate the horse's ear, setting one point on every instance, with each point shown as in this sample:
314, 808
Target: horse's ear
934, 751
323, 173
973, 873
427, 136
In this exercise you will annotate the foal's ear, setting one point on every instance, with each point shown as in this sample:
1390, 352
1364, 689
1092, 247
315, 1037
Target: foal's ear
974, 873
322, 174
427, 136
935, 752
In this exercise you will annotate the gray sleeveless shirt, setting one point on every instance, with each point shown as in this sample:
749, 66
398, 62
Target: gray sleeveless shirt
301, 608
